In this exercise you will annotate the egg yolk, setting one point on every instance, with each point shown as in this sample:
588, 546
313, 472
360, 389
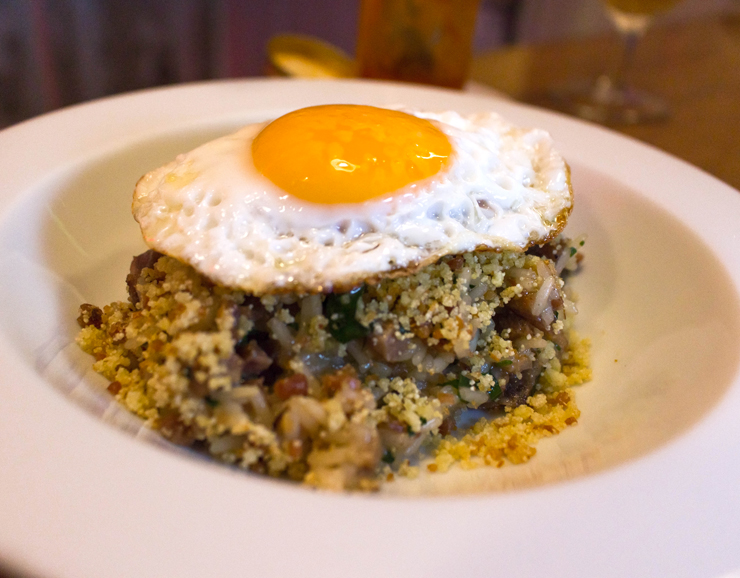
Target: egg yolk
348, 153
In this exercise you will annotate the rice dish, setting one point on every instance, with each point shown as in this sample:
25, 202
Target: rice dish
339, 343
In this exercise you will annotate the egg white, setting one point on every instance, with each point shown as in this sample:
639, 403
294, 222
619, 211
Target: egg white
505, 188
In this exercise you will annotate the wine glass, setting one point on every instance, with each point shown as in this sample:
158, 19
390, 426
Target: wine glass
611, 99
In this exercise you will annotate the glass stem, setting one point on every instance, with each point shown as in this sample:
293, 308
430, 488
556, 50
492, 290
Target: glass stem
630, 39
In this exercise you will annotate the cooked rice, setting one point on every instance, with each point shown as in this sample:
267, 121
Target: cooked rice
332, 390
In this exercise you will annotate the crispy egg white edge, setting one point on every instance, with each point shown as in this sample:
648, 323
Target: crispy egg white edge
212, 209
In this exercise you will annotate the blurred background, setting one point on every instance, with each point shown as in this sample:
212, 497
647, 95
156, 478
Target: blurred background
55, 53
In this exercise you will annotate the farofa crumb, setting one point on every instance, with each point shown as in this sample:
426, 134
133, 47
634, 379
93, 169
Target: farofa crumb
408, 471
190, 358
514, 435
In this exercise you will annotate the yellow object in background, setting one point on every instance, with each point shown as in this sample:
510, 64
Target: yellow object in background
642, 6
425, 41
307, 57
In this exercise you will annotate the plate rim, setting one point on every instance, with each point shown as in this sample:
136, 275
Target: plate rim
165, 107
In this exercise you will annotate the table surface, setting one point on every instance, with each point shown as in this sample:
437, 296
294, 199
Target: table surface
695, 66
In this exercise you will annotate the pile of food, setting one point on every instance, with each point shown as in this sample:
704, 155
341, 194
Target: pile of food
327, 297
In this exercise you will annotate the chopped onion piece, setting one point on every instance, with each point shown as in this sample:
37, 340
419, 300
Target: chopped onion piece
542, 299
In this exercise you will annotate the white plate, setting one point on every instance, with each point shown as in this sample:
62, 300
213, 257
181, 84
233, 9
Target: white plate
647, 484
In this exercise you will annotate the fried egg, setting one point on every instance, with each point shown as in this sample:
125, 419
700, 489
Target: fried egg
327, 197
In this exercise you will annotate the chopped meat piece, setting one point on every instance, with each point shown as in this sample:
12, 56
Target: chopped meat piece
549, 250
523, 306
518, 389
255, 359
344, 378
90, 315
456, 262
448, 425
515, 392
253, 310
114, 387
518, 326
140, 262
174, 429
390, 348
295, 384
197, 387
